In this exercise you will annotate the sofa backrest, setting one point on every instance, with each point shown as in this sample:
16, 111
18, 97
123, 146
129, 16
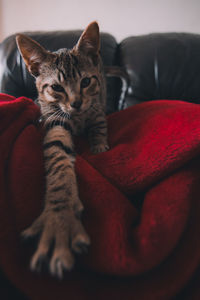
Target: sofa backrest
160, 66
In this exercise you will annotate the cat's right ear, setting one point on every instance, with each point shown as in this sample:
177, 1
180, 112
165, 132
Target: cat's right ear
32, 53
89, 42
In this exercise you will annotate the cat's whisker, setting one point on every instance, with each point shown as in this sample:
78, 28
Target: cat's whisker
51, 119
56, 118
50, 114
63, 120
48, 111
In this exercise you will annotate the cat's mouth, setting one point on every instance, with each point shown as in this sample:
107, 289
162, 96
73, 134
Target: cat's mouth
70, 111
68, 114
77, 111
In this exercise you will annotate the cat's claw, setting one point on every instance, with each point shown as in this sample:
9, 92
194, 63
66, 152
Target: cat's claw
61, 262
60, 237
38, 261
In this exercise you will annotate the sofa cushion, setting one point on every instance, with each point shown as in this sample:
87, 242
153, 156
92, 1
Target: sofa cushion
162, 66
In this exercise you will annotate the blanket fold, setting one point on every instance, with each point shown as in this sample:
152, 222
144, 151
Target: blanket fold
148, 250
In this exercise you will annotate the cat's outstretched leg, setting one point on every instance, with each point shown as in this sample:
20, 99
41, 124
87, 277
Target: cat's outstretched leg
59, 226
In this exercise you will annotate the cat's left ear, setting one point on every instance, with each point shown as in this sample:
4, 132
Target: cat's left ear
32, 53
89, 42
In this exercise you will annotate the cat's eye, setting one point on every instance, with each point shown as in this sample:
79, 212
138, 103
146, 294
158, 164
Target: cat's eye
85, 82
57, 88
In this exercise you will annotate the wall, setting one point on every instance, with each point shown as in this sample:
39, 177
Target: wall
1, 24
119, 17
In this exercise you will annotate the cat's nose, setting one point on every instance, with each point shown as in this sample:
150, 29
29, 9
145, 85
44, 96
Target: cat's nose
76, 104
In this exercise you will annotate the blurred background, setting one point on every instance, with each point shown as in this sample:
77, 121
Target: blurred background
121, 18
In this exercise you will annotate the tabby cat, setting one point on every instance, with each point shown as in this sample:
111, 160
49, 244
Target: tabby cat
72, 94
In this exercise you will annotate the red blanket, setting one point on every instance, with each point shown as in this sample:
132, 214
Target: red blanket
141, 198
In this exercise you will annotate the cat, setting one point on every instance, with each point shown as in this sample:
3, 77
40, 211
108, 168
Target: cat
72, 96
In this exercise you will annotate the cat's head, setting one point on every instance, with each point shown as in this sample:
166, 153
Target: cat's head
66, 79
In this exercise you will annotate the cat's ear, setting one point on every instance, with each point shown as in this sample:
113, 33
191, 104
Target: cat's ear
89, 42
32, 53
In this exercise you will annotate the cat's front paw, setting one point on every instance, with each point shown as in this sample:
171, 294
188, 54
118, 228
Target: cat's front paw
99, 148
61, 235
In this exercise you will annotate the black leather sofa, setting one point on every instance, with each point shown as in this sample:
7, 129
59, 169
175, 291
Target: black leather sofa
160, 65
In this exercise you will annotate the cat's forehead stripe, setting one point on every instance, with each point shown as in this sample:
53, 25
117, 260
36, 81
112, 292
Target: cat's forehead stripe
61, 76
76, 64
77, 70
74, 73
68, 65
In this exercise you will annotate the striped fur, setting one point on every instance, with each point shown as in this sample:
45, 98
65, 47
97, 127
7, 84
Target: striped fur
72, 93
